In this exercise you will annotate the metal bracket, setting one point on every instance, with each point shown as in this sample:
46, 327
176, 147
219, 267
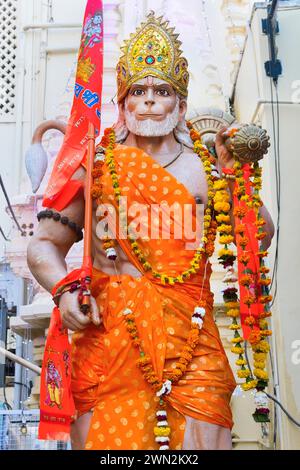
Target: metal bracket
270, 27
266, 27
273, 69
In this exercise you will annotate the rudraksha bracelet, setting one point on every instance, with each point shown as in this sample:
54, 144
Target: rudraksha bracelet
50, 214
75, 285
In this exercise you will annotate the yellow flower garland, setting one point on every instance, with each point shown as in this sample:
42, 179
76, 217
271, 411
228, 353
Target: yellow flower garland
213, 192
225, 230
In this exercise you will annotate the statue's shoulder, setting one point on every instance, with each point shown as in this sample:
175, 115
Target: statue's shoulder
189, 151
193, 162
190, 155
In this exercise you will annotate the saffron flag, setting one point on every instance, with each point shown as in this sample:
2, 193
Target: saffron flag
57, 410
86, 104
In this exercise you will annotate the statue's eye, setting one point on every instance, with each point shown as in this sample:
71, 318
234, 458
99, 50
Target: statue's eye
162, 92
138, 92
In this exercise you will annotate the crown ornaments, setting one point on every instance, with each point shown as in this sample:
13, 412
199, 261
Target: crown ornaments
154, 49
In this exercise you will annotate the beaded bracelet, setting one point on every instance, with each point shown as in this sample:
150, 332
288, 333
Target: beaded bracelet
228, 173
49, 214
75, 285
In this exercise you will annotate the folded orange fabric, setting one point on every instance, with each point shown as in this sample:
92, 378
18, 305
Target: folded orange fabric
105, 377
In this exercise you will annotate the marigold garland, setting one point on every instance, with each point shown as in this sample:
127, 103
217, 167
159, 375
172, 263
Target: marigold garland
227, 259
216, 196
145, 365
216, 219
108, 243
259, 327
209, 232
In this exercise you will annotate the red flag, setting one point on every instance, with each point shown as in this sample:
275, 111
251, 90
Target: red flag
86, 103
56, 402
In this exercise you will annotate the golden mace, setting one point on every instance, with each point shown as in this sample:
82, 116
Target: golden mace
249, 144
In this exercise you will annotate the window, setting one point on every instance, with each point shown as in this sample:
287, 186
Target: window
8, 47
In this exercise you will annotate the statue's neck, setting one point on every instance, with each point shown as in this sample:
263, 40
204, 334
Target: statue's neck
155, 146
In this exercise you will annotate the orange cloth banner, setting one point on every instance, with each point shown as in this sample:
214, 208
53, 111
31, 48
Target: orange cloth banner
105, 377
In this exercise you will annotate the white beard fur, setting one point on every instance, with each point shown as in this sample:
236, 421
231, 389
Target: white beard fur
151, 128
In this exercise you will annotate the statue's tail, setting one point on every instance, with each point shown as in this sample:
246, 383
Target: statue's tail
36, 160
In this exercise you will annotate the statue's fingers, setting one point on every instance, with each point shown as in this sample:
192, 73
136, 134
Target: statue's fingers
95, 316
79, 319
221, 135
71, 324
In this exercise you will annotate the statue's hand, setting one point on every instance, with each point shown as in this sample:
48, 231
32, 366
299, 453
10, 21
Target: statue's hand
72, 317
225, 157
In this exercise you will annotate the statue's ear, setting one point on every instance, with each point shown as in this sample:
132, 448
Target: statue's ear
182, 108
121, 107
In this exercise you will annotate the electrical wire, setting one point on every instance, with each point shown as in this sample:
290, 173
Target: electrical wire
5, 403
23, 385
276, 132
9, 205
3, 235
278, 171
297, 423
290, 417
8, 406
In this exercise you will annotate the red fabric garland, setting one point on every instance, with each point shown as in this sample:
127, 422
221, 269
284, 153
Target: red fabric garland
252, 249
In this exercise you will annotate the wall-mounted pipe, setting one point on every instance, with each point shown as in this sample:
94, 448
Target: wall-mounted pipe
33, 26
21, 361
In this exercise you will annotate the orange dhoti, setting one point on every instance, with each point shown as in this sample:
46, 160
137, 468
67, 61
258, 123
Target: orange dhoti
105, 377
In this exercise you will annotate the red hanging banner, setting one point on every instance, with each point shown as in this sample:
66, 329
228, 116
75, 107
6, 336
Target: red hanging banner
57, 408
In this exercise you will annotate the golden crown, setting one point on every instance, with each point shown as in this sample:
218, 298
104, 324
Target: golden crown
154, 49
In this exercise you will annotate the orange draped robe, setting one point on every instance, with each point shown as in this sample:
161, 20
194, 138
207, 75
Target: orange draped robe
105, 377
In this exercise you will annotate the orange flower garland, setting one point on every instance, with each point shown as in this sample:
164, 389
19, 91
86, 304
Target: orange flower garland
209, 231
217, 196
162, 430
108, 243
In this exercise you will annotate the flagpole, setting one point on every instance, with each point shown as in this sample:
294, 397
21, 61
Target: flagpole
87, 252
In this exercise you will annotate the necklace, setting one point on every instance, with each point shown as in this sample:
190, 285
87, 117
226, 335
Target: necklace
176, 158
